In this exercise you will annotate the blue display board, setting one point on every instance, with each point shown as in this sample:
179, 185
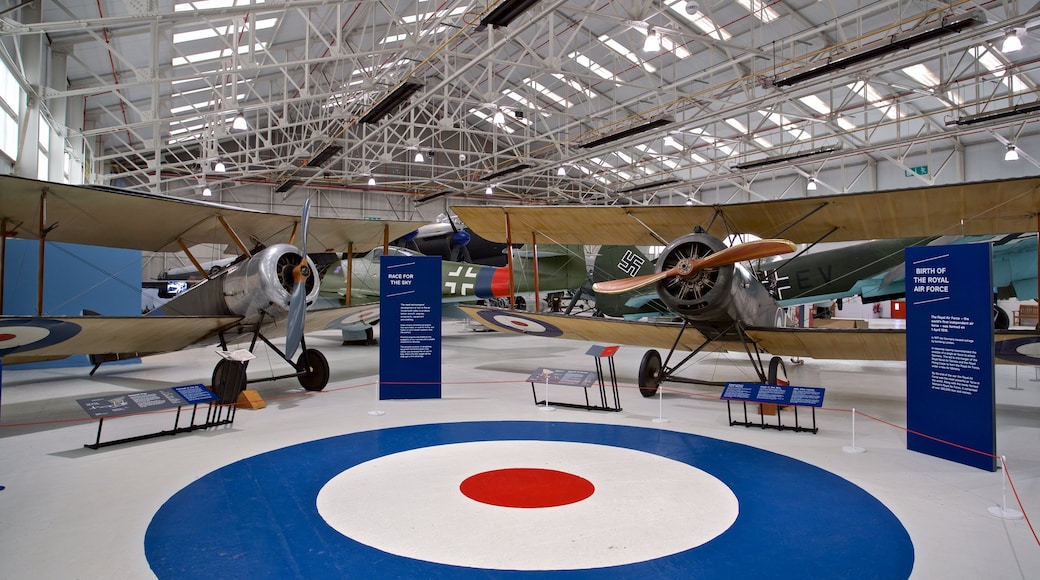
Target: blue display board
410, 327
774, 394
950, 399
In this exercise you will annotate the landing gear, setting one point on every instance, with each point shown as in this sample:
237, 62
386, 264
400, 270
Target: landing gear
650, 373
314, 368
777, 372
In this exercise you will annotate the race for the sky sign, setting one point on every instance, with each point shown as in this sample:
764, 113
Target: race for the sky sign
950, 398
410, 327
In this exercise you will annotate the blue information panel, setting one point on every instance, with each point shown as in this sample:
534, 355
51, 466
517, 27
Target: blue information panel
950, 399
410, 327
773, 394
145, 401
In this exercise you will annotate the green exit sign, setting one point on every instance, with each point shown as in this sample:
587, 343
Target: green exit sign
919, 170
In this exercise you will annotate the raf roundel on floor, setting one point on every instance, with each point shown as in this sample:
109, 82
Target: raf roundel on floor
519, 499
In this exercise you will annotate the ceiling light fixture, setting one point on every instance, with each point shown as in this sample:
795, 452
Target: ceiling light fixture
419, 157
652, 42
219, 167
371, 181
811, 185
1012, 42
561, 172
206, 191
948, 25
689, 201
499, 118
1011, 154
239, 124
488, 191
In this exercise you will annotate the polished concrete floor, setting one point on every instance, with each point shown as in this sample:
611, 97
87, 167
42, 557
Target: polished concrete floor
71, 512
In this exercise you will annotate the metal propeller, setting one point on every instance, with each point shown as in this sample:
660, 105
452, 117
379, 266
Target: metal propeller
687, 267
298, 300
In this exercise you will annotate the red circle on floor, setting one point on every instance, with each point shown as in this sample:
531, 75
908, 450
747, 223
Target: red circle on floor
526, 487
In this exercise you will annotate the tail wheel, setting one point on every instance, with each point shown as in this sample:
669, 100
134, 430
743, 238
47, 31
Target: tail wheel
316, 370
650, 373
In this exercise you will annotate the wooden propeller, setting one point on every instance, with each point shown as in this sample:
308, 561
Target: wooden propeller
687, 267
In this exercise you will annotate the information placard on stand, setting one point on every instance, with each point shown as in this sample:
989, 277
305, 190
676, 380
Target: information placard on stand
143, 402
778, 395
581, 378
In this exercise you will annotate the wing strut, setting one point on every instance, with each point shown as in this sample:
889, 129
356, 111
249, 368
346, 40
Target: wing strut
509, 261
238, 241
194, 261
656, 236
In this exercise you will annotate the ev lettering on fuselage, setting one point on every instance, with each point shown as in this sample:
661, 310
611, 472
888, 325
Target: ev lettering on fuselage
402, 279
803, 277
631, 263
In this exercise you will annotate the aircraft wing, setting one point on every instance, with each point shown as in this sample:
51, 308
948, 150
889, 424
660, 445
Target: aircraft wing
1012, 347
117, 218
1005, 206
31, 338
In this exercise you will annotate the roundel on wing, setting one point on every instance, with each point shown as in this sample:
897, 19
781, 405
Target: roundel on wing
34, 333
1025, 350
515, 322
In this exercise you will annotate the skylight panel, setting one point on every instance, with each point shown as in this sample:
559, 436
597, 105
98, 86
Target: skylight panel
212, 4
737, 125
922, 74
670, 45
816, 103
203, 105
786, 124
623, 51
624, 157
555, 98
215, 54
886, 106
997, 68
670, 141
759, 9
591, 65
575, 85
699, 20
215, 31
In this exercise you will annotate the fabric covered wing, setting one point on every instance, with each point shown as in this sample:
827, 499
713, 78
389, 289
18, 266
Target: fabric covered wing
30, 338
123, 219
1006, 206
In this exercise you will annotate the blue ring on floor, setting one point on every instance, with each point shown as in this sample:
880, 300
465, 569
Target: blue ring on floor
257, 518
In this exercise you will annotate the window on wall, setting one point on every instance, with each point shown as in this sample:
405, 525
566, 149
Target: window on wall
10, 97
44, 162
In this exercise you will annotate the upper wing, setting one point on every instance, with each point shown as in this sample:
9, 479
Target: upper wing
1006, 206
122, 219
1014, 347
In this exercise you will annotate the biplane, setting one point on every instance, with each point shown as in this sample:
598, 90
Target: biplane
726, 303
262, 295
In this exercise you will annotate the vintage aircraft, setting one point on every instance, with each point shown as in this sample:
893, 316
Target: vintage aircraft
730, 307
263, 294
558, 269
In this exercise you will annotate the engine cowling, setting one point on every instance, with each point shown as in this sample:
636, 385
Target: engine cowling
717, 297
266, 281
704, 296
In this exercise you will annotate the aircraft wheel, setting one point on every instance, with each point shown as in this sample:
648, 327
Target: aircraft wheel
650, 373
317, 370
777, 372
229, 379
